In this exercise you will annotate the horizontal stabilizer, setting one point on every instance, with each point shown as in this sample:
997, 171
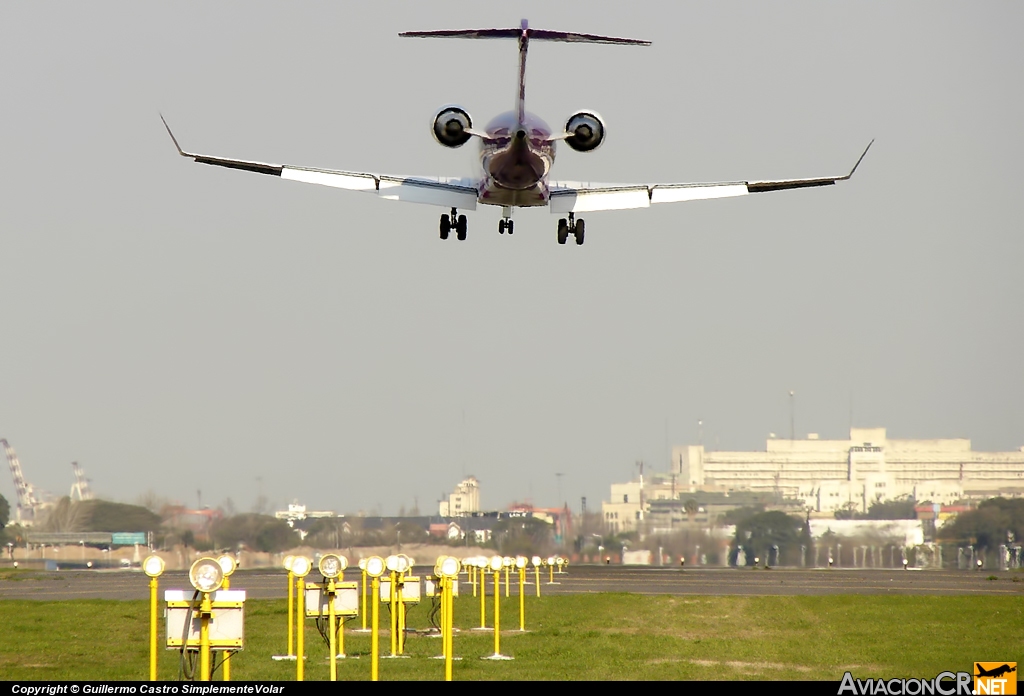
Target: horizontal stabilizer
532, 34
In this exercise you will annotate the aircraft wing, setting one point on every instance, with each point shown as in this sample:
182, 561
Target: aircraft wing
574, 197
445, 192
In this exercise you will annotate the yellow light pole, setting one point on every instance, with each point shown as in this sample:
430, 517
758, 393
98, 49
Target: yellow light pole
404, 568
535, 562
362, 586
392, 565
481, 563
300, 569
472, 578
206, 576
291, 615
496, 564
227, 565
448, 570
154, 567
506, 562
331, 567
551, 570
375, 567
521, 567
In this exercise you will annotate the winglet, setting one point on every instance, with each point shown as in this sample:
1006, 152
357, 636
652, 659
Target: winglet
859, 160
173, 139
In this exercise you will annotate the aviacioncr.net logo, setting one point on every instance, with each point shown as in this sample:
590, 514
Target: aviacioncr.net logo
944, 684
995, 678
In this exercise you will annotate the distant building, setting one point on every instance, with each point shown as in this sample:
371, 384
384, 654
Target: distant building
830, 474
464, 500
298, 513
814, 476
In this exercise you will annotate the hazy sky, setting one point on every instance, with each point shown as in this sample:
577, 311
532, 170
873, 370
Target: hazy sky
174, 327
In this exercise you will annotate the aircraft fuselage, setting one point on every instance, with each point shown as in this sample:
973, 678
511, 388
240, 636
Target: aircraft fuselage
516, 155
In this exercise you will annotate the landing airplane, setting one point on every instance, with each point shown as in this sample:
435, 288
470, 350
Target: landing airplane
517, 150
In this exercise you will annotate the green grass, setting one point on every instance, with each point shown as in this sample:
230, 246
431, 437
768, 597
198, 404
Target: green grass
591, 636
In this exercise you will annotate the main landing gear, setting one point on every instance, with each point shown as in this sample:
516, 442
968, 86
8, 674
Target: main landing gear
505, 223
571, 226
453, 222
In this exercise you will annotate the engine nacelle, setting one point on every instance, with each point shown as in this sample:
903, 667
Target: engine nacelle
586, 131
451, 126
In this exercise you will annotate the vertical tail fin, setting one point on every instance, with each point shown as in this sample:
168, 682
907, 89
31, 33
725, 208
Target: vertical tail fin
524, 34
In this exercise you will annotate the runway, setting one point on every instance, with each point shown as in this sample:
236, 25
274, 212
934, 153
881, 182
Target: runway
272, 584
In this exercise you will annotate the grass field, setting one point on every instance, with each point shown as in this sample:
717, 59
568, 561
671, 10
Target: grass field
575, 637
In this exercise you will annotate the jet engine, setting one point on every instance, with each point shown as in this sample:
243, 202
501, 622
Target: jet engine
451, 126
586, 131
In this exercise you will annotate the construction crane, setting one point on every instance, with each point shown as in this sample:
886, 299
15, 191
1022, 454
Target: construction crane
80, 489
27, 502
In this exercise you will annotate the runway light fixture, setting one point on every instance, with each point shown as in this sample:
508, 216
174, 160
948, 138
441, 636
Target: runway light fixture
362, 564
206, 575
391, 563
535, 561
288, 563
496, 563
402, 563
450, 567
153, 566
375, 566
332, 565
227, 564
520, 562
301, 566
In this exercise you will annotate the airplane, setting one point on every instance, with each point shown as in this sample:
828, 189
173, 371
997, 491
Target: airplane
995, 671
517, 151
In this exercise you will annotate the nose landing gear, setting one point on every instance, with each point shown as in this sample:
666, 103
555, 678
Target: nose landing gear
505, 224
571, 226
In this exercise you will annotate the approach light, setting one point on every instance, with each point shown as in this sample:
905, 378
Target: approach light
153, 566
391, 563
402, 563
450, 567
520, 562
551, 560
288, 563
301, 566
979, 562
375, 566
227, 564
507, 562
206, 575
482, 562
331, 565
536, 561
496, 563
362, 564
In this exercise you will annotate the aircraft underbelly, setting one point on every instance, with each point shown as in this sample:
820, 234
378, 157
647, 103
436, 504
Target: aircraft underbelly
492, 193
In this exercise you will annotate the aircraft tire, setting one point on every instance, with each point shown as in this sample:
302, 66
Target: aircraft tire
446, 226
563, 230
578, 232
460, 228
509, 227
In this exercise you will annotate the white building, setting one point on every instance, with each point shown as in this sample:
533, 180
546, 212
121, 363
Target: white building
829, 474
464, 500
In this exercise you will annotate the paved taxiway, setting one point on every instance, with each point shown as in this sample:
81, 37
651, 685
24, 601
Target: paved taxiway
272, 584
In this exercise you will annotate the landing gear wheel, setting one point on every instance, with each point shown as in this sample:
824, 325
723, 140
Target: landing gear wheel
501, 227
460, 228
508, 226
446, 226
563, 230
578, 232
